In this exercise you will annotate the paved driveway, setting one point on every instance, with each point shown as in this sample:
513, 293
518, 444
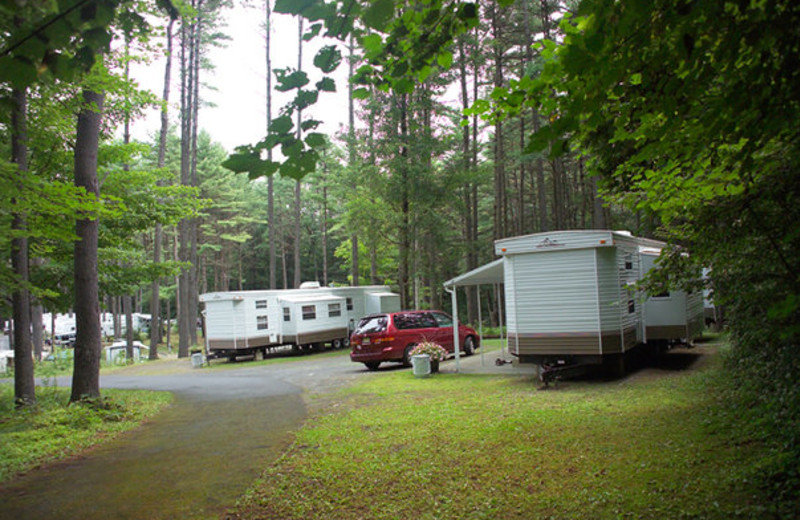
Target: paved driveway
200, 454
195, 458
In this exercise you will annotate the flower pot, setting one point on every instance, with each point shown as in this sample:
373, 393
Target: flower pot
421, 364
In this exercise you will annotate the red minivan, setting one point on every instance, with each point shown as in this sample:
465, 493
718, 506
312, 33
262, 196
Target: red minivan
392, 336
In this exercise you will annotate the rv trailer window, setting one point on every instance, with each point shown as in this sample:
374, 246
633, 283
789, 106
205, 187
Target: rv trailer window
309, 312
261, 304
628, 261
349, 304
287, 314
631, 307
334, 309
262, 322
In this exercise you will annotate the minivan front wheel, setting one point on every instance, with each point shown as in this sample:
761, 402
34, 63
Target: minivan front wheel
407, 356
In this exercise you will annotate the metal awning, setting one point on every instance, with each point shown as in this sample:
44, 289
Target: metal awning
492, 273
488, 274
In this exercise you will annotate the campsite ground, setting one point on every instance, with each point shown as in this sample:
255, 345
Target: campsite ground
339, 441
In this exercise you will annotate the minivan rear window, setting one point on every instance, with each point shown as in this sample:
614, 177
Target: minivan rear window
372, 324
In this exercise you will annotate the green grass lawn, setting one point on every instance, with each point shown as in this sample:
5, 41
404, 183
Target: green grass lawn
654, 445
52, 430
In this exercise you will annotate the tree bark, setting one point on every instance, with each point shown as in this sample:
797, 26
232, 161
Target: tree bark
86, 374
155, 297
405, 224
351, 148
37, 329
270, 180
24, 387
297, 273
194, 300
499, 152
184, 227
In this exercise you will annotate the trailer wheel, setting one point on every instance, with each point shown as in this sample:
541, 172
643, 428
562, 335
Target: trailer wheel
337, 343
346, 342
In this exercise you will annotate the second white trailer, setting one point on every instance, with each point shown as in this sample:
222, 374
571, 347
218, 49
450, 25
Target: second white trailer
246, 322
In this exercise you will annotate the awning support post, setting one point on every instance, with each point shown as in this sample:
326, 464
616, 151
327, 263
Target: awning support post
480, 321
454, 297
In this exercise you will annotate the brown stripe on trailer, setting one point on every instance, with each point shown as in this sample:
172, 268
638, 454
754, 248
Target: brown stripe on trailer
239, 344
570, 344
317, 336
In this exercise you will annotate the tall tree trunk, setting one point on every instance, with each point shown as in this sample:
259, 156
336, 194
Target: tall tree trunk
193, 223
270, 180
86, 374
37, 327
184, 232
155, 297
127, 309
405, 206
127, 300
499, 151
598, 211
297, 273
324, 225
24, 387
351, 148
466, 148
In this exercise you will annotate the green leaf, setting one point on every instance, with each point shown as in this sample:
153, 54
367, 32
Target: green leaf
312, 32
316, 140
445, 60
328, 59
378, 14
372, 44
326, 85
310, 124
468, 11
281, 125
305, 98
404, 86
294, 7
360, 93
17, 71
289, 79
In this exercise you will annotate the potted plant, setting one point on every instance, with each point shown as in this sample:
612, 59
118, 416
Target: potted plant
435, 351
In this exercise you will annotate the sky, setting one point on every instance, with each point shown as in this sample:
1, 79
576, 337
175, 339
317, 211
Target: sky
238, 115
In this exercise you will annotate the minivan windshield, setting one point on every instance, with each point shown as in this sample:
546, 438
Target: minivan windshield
372, 324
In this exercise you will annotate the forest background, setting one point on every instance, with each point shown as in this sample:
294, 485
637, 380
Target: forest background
674, 120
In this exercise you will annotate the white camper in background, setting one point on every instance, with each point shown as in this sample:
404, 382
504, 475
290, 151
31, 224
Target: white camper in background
246, 322
571, 297
674, 316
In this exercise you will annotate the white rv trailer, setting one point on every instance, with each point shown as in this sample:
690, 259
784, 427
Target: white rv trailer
246, 322
672, 316
570, 296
